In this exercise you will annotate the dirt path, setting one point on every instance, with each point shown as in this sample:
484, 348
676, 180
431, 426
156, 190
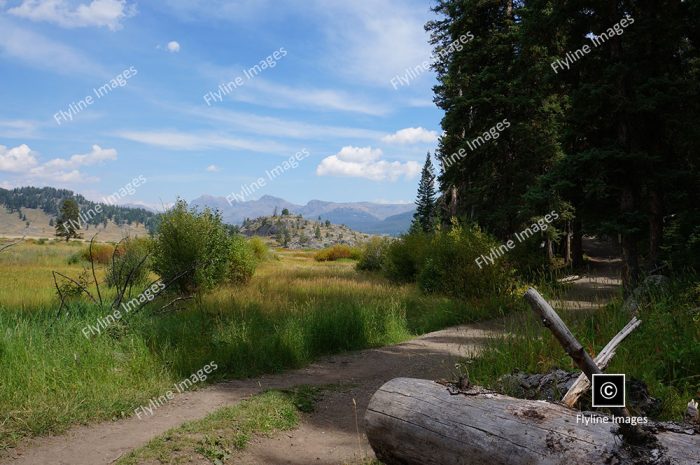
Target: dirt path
330, 435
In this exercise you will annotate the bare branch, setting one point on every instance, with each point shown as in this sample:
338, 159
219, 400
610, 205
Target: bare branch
5, 247
582, 384
92, 264
83, 288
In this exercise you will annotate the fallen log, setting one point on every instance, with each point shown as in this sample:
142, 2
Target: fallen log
419, 422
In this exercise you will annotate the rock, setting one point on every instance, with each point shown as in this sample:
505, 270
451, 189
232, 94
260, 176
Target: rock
548, 386
642, 294
553, 385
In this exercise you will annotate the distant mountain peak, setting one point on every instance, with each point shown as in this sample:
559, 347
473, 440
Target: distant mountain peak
367, 217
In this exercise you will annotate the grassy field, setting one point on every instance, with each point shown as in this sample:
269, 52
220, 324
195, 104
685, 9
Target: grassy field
294, 310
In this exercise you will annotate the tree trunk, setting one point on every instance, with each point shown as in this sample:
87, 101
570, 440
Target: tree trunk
566, 251
630, 254
656, 228
420, 422
577, 244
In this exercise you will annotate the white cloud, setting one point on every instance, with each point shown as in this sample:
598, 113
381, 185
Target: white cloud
213, 168
44, 53
173, 46
266, 93
279, 127
18, 129
17, 160
365, 162
371, 42
199, 141
411, 136
96, 155
23, 161
99, 13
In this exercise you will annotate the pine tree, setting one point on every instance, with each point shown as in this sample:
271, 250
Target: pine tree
68, 222
424, 217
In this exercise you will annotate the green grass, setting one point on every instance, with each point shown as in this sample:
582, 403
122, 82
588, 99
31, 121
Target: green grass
221, 434
293, 311
664, 351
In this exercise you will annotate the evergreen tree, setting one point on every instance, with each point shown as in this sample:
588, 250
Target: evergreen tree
68, 222
424, 216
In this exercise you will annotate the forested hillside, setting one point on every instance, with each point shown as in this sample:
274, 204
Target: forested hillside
48, 199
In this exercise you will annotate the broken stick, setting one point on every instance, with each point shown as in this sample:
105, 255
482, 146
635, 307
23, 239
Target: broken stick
582, 383
571, 345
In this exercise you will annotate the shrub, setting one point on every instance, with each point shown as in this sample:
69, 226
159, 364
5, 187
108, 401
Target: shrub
450, 266
259, 248
242, 260
373, 253
129, 254
192, 245
336, 252
101, 253
405, 257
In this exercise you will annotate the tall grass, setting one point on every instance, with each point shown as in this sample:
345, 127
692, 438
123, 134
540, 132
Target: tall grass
292, 311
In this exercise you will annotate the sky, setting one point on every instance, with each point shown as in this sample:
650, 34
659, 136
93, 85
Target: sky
206, 96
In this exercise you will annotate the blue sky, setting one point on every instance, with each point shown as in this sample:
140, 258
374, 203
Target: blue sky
330, 92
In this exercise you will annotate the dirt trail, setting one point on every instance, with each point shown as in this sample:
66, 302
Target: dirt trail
430, 356
330, 434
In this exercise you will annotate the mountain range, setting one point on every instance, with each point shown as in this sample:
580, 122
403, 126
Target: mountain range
367, 217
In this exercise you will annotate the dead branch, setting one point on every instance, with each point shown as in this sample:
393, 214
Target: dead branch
120, 295
92, 264
582, 384
571, 345
174, 301
60, 294
5, 247
83, 288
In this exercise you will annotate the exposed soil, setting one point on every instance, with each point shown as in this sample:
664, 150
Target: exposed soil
334, 433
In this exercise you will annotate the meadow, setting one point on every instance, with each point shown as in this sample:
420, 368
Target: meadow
294, 310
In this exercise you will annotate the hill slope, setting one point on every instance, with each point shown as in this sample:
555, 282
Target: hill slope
296, 232
32, 212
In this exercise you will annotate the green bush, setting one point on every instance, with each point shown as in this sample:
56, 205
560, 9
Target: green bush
450, 267
242, 260
259, 248
405, 257
372, 254
129, 254
191, 246
336, 252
